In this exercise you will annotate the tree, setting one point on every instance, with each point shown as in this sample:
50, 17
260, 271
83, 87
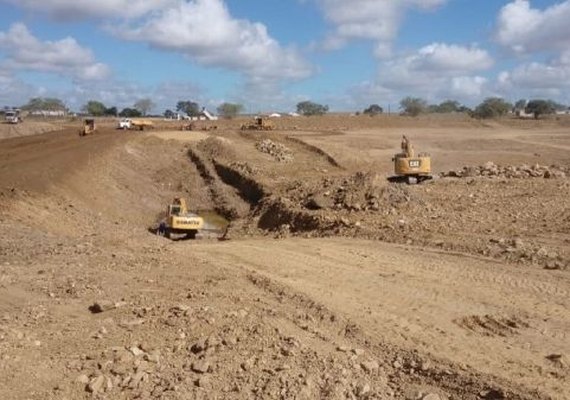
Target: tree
308, 108
94, 108
112, 111
130, 113
557, 106
44, 104
520, 105
447, 106
465, 109
492, 107
540, 107
190, 108
229, 110
169, 114
144, 105
373, 109
413, 106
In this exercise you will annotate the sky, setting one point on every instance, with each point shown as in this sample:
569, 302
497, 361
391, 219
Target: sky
269, 55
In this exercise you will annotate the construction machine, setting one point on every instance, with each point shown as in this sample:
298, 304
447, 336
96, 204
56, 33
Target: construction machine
179, 220
88, 127
409, 167
258, 124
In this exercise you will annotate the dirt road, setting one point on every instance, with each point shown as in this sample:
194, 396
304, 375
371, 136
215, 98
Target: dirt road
450, 306
334, 285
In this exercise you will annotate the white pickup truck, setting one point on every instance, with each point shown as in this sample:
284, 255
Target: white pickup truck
125, 123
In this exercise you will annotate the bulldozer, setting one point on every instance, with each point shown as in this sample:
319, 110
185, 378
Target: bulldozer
88, 127
258, 124
180, 221
409, 167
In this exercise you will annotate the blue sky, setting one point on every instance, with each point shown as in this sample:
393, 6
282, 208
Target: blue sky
271, 54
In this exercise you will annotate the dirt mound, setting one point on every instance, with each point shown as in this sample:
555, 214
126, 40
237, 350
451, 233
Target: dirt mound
244, 168
217, 148
358, 192
28, 128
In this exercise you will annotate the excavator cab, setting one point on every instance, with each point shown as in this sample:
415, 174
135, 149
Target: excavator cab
178, 207
174, 210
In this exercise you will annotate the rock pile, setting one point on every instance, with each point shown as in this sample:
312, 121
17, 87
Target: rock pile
490, 169
517, 250
278, 151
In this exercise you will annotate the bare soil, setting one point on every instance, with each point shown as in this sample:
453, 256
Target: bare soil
334, 283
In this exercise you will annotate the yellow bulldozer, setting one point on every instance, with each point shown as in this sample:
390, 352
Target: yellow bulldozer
180, 221
409, 167
258, 124
88, 127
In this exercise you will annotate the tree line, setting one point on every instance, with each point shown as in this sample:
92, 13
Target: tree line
491, 107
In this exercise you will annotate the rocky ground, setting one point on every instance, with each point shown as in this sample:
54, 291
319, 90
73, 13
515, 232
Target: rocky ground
334, 284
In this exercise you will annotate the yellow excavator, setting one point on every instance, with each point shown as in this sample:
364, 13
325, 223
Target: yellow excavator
409, 167
179, 220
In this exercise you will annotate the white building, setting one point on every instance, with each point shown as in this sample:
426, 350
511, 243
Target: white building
204, 115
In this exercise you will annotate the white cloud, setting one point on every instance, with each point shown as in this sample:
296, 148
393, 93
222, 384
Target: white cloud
77, 9
434, 68
449, 58
204, 31
167, 94
524, 29
536, 79
65, 57
376, 20
14, 92
434, 72
470, 87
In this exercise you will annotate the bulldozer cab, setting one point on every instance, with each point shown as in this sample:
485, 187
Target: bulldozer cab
259, 124
88, 127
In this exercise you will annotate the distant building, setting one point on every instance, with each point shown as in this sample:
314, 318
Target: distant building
48, 113
521, 113
204, 115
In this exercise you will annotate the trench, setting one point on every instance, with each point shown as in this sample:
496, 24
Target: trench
260, 208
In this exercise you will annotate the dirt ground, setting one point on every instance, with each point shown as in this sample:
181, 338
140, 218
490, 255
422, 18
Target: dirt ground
334, 283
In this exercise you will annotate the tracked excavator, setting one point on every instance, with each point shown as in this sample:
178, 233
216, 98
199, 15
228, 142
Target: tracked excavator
409, 167
179, 221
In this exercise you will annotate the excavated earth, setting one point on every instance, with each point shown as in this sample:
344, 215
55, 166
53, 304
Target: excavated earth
316, 279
